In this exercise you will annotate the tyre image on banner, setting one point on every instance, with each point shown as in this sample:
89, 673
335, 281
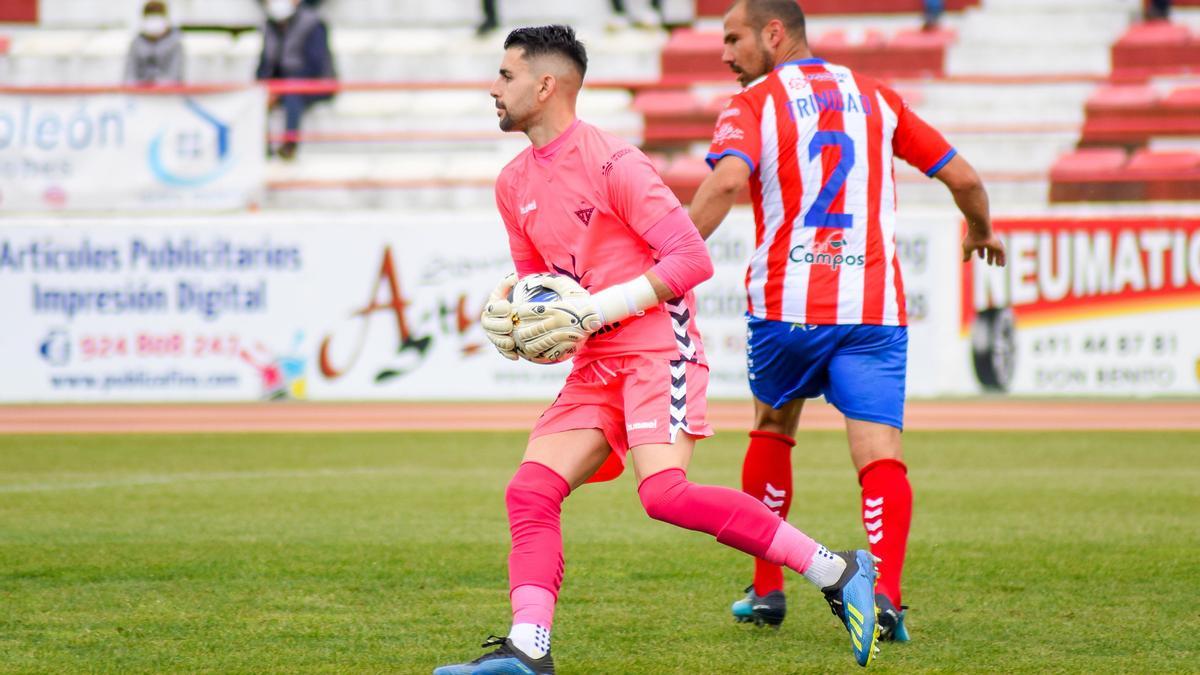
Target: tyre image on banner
994, 348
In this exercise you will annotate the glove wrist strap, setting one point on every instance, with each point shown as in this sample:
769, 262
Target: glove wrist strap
622, 301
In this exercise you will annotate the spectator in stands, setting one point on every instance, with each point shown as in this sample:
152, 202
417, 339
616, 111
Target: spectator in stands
156, 53
933, 14
641, 16
490, 22
1158, 10
295, 47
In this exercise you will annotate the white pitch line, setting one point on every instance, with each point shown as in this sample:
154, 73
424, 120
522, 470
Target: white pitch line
195, 477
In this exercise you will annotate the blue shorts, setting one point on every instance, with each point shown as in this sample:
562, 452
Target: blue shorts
859, 369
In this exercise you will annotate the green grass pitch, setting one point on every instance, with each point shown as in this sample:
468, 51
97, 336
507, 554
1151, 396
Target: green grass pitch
1030, 552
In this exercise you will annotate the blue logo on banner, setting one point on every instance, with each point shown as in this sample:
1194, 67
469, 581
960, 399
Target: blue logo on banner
56, 348
192, 154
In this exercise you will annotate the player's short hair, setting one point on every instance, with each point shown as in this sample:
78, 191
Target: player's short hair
556, 39
788, 12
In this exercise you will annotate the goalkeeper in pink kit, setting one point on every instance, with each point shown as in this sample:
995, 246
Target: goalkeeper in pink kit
585, 205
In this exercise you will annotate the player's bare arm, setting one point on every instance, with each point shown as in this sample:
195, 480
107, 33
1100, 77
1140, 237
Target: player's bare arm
717, 194
972, 199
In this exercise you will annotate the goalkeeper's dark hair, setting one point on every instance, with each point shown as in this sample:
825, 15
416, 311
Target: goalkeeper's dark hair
760, 12
556, 39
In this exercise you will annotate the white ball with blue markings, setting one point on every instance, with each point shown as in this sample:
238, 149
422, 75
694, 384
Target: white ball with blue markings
543, 289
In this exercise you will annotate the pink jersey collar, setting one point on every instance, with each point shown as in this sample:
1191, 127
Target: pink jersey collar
545, 154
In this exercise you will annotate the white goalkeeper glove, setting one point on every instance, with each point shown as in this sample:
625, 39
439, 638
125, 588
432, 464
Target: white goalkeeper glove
497, 318
541, 326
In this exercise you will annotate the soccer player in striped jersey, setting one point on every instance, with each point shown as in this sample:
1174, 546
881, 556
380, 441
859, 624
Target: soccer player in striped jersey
588, 205
826, 311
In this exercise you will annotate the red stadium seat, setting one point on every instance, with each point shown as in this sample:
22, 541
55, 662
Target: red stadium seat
1132, 115
685, 175
1122, 100
1155, 47
1183, 100
923, 39
1155, 34
674, 118
1103, 175
830, 39
1092, 175
1091, 163
665, 102
1167, 176
1163, 164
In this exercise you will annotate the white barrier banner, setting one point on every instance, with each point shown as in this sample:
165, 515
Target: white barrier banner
341, 306
131, 152
1088, 306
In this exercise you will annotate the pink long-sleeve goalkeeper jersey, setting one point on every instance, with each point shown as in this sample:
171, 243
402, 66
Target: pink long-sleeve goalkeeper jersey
582, 213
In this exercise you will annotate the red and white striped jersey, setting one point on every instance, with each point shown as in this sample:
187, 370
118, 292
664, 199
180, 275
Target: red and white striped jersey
820, 140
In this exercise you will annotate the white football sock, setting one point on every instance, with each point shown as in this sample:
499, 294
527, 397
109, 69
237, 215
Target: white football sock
824, 569
530, 638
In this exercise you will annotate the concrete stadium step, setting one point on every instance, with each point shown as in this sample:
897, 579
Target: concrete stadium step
1031, 59
77, 57
1013, 152
73, 57
453, 121
716, 8
125, 14
1011, 192
1036, 37
695, 56
1042, 26
1130, 7
427, 55
361, 13
511, 12
956, 103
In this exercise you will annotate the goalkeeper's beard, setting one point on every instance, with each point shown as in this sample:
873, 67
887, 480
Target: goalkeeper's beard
510, 122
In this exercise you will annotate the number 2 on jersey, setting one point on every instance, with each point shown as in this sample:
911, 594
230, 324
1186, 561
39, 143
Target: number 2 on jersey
818, 214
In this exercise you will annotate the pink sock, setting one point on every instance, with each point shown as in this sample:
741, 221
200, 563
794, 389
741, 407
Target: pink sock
532, 604
534, 498
735, 518
791, 548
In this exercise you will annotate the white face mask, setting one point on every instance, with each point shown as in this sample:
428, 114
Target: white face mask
280, 10
155, 25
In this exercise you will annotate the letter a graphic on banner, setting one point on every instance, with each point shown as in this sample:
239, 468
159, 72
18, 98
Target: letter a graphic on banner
395, 303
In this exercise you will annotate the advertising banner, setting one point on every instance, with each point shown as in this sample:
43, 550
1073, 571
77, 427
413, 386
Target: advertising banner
132, 152
337, 306
1088, 306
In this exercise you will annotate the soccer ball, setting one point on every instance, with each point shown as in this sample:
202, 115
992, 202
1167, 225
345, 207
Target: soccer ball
533, 290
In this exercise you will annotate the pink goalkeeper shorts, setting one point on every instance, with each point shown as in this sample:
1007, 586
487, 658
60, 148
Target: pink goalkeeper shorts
634, 401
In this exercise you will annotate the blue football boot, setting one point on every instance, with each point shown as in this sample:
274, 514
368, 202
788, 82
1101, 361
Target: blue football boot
506, 659
852, 600
891, 620
761, 610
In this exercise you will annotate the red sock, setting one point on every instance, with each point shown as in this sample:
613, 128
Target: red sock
887, 512
767, 476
